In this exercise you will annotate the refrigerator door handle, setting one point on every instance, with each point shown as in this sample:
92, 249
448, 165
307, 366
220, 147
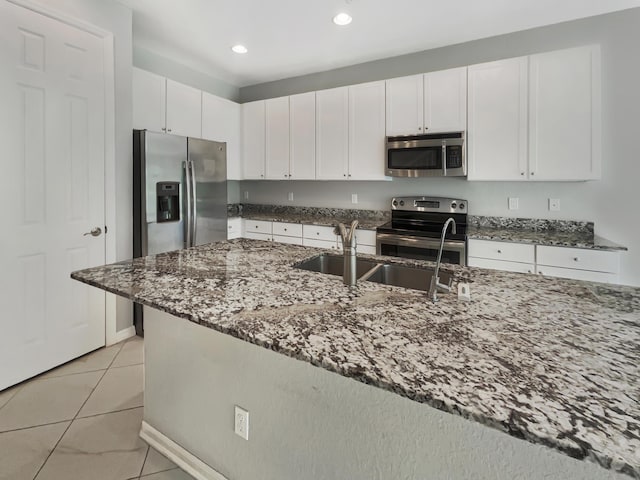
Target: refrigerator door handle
194, 206
189, 197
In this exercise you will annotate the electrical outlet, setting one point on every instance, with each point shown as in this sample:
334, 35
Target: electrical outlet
241, 422
513, 203
554, 204
290, 196
246, 194
354, 198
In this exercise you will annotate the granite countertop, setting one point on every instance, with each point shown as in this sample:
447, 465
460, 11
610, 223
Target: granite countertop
575, 239
549, 360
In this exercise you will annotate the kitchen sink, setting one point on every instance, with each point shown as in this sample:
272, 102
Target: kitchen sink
386, 273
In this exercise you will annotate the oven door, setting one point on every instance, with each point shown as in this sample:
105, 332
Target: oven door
421, 248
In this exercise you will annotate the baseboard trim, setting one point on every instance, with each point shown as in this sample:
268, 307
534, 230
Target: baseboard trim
124, 334
178, 455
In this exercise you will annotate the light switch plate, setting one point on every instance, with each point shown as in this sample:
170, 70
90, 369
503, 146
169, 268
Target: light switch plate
354, 198
246, 194
513, 203
290, 196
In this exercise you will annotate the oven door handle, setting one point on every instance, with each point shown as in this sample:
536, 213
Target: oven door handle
444, 158
419, 242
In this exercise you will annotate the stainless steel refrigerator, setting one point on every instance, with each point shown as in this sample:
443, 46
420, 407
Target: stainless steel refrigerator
179, 194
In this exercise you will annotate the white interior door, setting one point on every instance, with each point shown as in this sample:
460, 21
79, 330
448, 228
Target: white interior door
52, 165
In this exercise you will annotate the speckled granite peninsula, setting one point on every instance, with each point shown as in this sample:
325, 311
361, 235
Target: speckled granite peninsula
549, 360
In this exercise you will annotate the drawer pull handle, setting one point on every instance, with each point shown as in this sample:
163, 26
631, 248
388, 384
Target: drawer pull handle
499, 251
576, 259
256, 226
285, 229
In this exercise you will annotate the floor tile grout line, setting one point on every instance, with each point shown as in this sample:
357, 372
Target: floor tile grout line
125, 366
93, 415
160, 471
145, 460
37, 426
18, 388
76, 416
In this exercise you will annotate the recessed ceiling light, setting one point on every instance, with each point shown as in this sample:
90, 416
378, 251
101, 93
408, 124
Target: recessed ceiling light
342, 19
239, 49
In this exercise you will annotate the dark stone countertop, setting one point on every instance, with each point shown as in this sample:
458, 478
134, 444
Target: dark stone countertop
549, 360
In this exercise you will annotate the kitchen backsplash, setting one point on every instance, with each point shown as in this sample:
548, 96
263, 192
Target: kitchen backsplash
534, 224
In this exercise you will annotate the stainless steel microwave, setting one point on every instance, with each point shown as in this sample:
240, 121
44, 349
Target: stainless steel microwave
432, 155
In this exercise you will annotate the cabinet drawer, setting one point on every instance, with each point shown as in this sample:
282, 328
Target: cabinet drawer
312, 242
287, 229
258, 236
511, 252
289, 240
579, 259
234, 228
366, 249
366, 237
257, 226
319, 233
501, 265
587, 275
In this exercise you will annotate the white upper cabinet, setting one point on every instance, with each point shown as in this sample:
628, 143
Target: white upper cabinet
277, 138
433, 102
332, 134
253, 140
184, 110
221, 122
564, 115
302, 127
404, 102
149, 101
445, 101
366, 131
497, 130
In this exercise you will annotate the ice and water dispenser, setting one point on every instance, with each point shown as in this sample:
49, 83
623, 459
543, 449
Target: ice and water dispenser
168, 201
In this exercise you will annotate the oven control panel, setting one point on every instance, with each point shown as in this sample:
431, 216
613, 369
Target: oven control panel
430, 204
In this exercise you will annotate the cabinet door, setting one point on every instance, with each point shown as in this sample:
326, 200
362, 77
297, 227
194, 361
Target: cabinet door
404, 99
332, 144
221, 122
149, 100
302, 127
564, 115
497, 132
253, 140
277, 138
184, 110
366, 131
445, 101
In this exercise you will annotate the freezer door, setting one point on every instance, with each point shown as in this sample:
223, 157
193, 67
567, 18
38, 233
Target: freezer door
208, 162
165, 156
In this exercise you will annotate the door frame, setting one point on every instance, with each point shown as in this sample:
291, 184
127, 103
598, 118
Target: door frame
111, 335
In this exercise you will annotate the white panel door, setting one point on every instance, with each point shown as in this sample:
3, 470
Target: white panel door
149, 101
366, 131
302, 147
277, 138
332, 134
253, 140
404, 98
52, 144
564, 113
497, 130
221, 123
445, 101
184, 110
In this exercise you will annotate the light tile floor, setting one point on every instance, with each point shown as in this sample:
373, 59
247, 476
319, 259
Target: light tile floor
81, 421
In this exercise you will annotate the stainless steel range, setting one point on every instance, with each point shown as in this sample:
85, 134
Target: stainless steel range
416, 226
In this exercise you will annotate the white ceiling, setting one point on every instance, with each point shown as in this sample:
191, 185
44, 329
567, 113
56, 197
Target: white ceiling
288, 38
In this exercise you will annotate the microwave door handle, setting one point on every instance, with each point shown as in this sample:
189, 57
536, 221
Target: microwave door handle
444, 159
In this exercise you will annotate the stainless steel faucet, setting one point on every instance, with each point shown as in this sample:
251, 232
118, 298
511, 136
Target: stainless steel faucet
349, 250
435, 280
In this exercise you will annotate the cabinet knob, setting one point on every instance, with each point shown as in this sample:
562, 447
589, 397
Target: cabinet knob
317, 233
349, 174
256, 226
540, 272
164, 129
261, 176
528, 271
533, 173
576, 259
499, 251
344, 174
419, 129
168, 130
426, 128
285, 229
522, 173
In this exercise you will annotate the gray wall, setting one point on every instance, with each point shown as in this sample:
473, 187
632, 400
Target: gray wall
600, 201
115, 18
160, 65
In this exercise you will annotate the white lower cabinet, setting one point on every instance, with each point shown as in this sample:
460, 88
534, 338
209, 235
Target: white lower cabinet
575, 263
234, 228
258, 230
259, 236
319, 236
365, 241
290, 233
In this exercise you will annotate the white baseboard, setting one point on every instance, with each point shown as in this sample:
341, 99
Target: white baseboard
123, 335
178, 455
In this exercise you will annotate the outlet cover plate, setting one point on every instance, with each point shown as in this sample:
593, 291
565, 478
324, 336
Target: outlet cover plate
514, 203
354, 198
554, 204
241, 422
